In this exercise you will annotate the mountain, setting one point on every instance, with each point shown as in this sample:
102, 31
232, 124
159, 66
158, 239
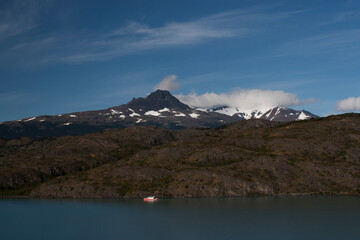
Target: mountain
282, 114
278, 114
246, 158
159, 109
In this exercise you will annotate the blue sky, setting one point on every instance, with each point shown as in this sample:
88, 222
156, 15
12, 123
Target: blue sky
66, 56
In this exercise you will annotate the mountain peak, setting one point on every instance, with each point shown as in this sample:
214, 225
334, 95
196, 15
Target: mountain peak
157, 100
160, 94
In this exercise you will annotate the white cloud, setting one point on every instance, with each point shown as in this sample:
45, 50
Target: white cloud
168, 83
349, 104
243, 99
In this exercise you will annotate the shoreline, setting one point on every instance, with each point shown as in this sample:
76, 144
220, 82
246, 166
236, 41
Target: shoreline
173, 198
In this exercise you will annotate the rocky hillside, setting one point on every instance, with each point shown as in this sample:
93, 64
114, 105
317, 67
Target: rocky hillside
255, 157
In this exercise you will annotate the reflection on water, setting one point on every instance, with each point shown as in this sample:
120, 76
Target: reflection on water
306, 217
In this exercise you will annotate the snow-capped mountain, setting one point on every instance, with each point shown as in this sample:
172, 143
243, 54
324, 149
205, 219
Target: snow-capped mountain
278, 114
283, 114
160, 109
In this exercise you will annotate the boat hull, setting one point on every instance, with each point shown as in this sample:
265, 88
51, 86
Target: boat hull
150, 199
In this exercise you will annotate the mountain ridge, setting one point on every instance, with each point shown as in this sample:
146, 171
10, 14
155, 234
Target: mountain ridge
277, 113
160, 109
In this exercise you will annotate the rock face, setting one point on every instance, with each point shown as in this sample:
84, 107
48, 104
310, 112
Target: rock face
156, 101
255, 157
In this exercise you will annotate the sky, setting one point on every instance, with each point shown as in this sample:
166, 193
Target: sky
70, 55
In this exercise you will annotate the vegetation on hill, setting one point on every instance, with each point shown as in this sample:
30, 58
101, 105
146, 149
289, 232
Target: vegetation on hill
255, 157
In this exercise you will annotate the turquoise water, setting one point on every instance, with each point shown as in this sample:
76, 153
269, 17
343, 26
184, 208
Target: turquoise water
305, 217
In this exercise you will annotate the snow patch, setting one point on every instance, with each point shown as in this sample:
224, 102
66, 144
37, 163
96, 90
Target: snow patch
113, 112
29, 119
303, 116
41, 120
277, 111
152, 113
122, 116
133, 114
139, 120
194, 115
73, 116
66, 124
164, 110
180, 114
268, 115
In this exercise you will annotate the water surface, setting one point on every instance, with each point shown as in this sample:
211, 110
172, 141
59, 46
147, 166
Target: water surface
305, 217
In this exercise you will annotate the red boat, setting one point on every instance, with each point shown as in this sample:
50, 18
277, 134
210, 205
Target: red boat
150, 199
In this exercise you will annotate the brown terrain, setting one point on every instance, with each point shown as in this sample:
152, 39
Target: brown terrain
255, 157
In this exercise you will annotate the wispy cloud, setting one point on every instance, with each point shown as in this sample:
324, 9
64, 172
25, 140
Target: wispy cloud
18, 17
138, 37
340, 17
349, 104
14, 97
334, 42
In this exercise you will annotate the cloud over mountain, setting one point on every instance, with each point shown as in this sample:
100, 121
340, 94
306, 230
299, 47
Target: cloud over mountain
349, 104
243, 99
168, 83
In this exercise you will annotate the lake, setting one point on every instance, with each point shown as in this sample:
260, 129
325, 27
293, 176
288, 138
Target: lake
302, 217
